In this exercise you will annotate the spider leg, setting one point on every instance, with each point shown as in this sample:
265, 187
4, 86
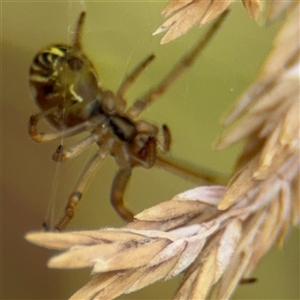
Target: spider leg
80, 187
33, 122
118, 189
196, 174
62, 155
137, 108
77, 37
145, 158
130, 79
41, 137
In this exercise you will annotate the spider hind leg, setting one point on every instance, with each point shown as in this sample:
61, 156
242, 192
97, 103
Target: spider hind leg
82, 183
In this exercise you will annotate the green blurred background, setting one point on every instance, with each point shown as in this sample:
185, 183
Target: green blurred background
117, 36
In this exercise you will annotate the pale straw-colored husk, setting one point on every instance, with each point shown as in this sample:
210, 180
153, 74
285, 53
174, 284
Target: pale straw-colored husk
185, 14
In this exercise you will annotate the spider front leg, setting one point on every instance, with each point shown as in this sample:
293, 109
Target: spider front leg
117, 191
145, 157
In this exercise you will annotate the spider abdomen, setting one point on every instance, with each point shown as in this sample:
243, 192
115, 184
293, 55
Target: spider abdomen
61, 75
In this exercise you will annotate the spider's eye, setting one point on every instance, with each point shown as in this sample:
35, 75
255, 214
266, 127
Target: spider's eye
75, 63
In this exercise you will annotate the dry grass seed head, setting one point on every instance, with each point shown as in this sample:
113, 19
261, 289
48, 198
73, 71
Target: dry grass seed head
214, 235
183, 15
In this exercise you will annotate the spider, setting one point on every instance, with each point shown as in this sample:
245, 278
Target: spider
67, 90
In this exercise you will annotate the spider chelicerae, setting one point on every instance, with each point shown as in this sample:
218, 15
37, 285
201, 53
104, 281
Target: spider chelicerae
67, 90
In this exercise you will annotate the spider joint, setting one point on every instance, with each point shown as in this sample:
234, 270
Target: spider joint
59, 155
